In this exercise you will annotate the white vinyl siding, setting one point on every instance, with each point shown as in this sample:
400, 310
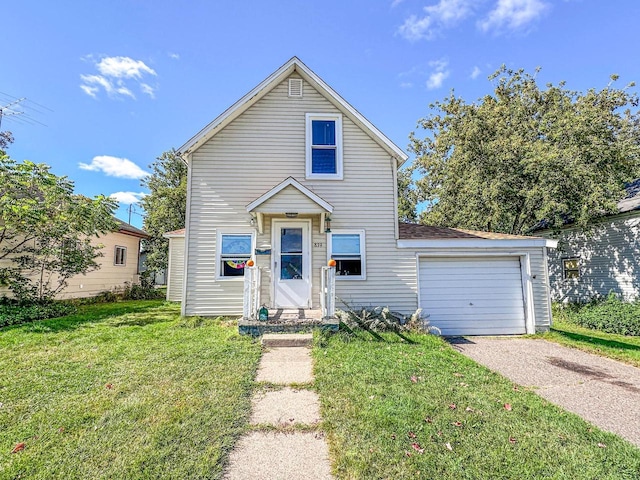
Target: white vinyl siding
473, 295
175, 272
256, 152
609, 253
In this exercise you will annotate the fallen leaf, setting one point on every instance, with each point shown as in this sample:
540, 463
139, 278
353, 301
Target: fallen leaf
469, 409
407, 453
428, 419
372, 397
371, 450
602, 445
515, 388
414, 379
462, 384
452, 406
393, 436
109, 386
457, 424
61, 429
458, 374
417, 448
449, 447
507, 406
18, 448
291, 420
512, 440
411, 435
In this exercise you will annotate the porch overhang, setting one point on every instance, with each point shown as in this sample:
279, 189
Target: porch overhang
289, 197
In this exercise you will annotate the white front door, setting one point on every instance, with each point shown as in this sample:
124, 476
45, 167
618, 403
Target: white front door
291, 264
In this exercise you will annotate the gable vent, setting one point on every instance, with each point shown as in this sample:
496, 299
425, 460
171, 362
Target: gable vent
295, 87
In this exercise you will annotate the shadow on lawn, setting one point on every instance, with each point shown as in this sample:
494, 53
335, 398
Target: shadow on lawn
596, 341
97, 312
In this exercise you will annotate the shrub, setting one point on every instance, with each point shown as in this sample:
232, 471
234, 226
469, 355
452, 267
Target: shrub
610, 315
381, 319
14, 313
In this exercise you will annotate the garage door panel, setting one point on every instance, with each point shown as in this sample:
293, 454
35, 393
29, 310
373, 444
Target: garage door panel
473, 295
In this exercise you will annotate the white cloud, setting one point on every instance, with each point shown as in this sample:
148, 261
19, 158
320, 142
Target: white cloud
439, 74
476, 71
123, 67
127, 198
513, 14
114, 167
174, 56
446, 13
406, 84
148, 89
395, 3
116, 75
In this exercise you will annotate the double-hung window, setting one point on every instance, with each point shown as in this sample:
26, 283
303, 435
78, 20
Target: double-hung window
571, 267
233, 252
120, 256
347, 248
324, 146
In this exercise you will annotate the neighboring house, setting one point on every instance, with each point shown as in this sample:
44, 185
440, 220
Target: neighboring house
605, 257
118, 265
160, 277
292, 175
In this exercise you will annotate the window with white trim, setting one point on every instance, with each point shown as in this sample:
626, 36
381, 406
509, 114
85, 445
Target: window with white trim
571, 267
120, 256
347, 248
324, 146
233, 252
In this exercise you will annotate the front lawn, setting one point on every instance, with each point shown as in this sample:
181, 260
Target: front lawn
122, 390
393, 409
618, 347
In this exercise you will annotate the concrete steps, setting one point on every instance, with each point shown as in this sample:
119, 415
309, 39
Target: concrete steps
288, 321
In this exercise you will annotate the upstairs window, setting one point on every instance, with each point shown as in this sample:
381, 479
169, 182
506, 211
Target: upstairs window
571, 267
120, 257
324, 146
347, 249
233, 253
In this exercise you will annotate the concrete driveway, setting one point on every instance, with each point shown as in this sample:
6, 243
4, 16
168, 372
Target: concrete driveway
602, 391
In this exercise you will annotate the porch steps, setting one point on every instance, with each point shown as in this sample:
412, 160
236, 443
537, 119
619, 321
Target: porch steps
273, 340
287, 321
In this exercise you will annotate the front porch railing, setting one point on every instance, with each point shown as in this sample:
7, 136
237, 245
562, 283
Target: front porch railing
251, 294
328, 292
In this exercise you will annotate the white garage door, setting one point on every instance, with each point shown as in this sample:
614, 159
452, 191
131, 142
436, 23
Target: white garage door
473, 295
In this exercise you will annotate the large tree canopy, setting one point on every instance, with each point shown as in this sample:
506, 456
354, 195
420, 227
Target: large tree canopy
46, 230
527, 154
165, 206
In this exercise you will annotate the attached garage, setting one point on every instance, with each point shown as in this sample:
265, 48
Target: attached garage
478, 295
480, 283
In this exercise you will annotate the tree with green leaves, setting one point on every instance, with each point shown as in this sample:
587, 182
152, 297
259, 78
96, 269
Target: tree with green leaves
526, 154
407, 197
165, 206
46, 231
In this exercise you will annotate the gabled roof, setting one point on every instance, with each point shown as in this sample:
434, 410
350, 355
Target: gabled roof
175, 233
293, 65
632, 200
429, 232
290, 181
128, 229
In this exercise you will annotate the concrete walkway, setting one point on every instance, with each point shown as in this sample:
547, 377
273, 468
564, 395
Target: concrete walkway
602, 391
276, 449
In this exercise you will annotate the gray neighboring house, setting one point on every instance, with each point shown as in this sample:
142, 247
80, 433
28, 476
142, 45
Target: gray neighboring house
601, 259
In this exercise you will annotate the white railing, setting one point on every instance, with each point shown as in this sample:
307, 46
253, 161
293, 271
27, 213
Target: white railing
251, 294
328, 292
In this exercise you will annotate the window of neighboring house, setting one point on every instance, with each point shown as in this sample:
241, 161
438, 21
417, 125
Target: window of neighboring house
324, 146
233, 253
120, 256
347, 248
571, 267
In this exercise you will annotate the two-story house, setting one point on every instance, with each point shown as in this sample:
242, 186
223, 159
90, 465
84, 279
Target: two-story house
291, 176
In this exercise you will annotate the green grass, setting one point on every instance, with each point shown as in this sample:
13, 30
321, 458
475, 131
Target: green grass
374, 411
123, 390
619, 347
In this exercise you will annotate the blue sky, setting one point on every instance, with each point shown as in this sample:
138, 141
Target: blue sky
117, 82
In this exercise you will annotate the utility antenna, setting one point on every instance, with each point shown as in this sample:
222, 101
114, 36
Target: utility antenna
9, 109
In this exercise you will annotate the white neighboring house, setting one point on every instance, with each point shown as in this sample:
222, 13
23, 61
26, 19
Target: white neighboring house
603, 258
290, 176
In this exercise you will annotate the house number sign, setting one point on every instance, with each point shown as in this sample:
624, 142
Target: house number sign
318, 244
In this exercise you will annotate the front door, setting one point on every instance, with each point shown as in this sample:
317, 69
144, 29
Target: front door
291, 264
